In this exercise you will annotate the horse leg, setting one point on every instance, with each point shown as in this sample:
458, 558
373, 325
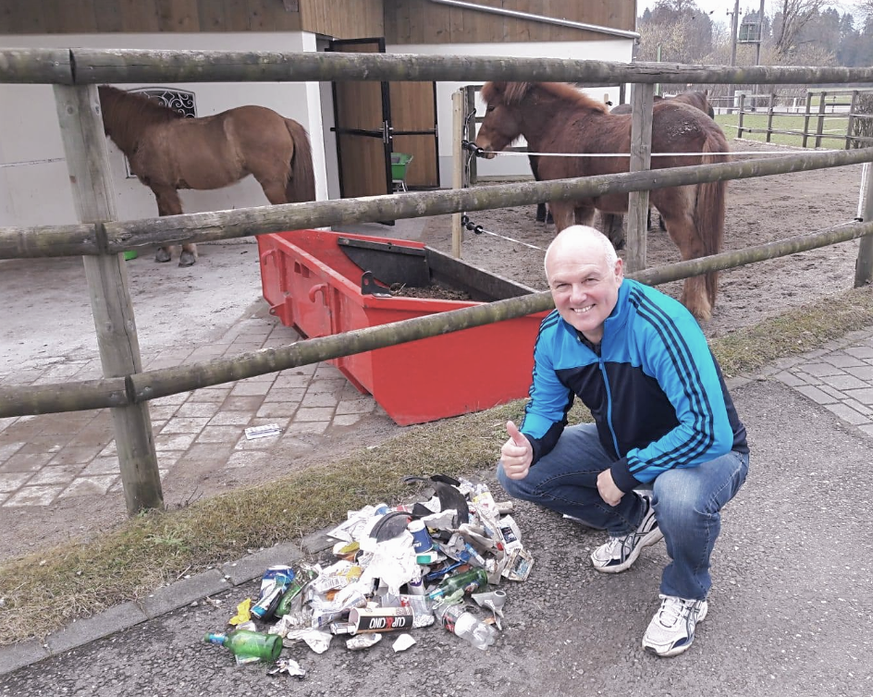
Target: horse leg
677, 213
612, 225
169, 203
564, 214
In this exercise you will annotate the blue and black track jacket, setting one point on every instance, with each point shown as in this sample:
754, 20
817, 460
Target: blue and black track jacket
653, 387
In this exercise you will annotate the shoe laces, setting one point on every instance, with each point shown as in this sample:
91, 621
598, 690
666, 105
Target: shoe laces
674, 609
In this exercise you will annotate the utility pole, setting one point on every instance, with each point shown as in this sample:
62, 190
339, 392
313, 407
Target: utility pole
758, 49
734, 19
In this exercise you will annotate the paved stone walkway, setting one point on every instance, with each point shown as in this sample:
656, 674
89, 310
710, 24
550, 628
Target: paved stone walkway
47, 457
51, 456
838, 376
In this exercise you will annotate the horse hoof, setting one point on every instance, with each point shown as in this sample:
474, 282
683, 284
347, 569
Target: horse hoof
162, 255
187, 259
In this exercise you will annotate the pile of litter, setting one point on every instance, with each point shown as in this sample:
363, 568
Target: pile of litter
397, 568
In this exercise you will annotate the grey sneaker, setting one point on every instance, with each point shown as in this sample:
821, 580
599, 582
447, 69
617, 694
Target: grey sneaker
621, 552
671, 630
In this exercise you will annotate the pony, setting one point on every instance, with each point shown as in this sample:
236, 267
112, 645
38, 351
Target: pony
168, 152
555, 117
694, 98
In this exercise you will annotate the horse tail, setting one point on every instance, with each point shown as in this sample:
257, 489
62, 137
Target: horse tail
710, 207
301, 184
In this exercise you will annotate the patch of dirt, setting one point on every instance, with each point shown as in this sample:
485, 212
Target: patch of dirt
759, 210
433, 292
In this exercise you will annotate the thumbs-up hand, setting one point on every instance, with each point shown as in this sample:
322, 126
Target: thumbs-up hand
516, 453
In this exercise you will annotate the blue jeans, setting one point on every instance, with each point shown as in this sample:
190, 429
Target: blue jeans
687, 502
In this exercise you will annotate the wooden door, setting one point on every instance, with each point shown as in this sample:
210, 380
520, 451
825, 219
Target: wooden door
362, 118
414, 130
374, 119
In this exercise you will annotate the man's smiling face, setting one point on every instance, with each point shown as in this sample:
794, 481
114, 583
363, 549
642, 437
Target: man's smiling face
584, 277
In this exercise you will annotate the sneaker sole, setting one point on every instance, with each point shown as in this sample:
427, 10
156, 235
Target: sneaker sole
675, 651
654, 536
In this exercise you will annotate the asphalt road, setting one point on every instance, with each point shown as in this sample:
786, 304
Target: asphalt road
791, 611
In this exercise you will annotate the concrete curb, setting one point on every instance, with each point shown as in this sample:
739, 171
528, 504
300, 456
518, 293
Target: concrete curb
171, 597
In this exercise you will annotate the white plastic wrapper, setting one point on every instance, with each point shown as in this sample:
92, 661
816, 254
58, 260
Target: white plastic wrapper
316, 639
355, 521
393, 562
403, 642
363, 641
290, 666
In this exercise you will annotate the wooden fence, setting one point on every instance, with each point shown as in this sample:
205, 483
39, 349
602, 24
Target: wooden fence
126, 390
850, 110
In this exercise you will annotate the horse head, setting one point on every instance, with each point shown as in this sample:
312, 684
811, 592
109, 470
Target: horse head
126, 114
503, 119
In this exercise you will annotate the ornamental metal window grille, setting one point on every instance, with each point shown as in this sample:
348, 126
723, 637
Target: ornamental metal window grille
180, 100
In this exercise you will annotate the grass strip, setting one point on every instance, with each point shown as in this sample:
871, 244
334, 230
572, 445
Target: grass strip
43, 591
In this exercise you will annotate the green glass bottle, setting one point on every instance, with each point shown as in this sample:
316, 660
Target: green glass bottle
246, 644
301, 578
466, 582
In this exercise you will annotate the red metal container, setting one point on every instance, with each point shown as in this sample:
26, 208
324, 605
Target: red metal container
313, 285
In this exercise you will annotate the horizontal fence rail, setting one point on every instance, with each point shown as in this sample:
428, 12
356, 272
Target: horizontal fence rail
126, 391
82, 66
148, 385
120, 236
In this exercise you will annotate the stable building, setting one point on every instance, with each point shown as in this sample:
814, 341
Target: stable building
354, 127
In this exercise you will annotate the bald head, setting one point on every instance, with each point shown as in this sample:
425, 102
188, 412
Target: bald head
584, 275
582, 242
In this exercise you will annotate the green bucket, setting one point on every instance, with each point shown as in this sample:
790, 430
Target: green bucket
130, 254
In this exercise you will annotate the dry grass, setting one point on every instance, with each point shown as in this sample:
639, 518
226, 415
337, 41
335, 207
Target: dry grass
42, 592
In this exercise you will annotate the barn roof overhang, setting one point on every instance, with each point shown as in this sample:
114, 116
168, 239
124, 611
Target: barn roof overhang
539, 18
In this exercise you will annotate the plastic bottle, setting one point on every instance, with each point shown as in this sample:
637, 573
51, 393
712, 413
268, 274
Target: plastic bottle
466, 581
458, 620
249, 645
301, 578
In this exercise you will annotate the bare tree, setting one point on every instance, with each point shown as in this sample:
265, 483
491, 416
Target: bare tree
795, 15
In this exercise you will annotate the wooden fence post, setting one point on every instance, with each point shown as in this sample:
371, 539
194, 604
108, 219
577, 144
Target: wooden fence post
770, 116
852, 108
864, 262
742, 112
642, 99
819, 128
458, 154
87, 156
806, 116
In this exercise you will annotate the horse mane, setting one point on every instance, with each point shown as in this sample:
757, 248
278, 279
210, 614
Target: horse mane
125, 114
514, 92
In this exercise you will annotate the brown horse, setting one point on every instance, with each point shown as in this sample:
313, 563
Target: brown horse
168, 152
555, 117
694, 98
613, 224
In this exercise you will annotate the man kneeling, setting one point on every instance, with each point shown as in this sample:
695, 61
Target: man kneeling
666, 450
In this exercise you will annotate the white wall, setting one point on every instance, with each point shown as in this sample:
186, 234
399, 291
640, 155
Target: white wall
617, 50
39, 194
